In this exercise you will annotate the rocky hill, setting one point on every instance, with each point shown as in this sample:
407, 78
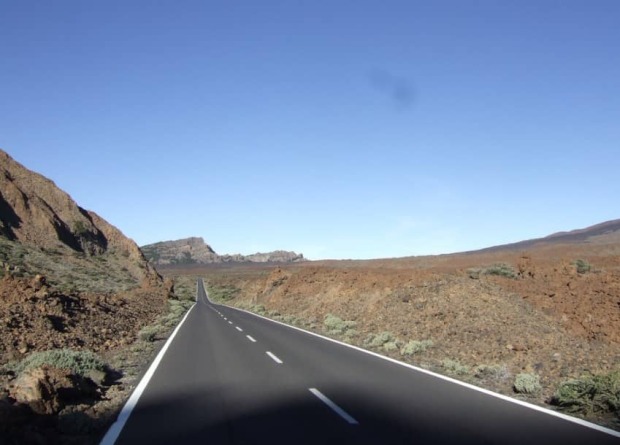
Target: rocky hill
196, 251
71, 285
39, 224
604, 233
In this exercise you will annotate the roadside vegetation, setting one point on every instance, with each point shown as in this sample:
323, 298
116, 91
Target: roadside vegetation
500, 270
222, 294
590, 394
66, 270
582, 266
78, 362
141, 351
598, 394
526, 383
176, 310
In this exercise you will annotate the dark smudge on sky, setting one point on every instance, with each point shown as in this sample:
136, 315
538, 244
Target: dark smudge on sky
398, 89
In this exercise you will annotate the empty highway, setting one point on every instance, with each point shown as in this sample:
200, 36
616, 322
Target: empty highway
230, 377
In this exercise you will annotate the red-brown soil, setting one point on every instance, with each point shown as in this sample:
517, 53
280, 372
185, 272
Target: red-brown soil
549, 319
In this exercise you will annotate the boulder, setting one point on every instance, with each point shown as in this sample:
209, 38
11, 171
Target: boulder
48, 390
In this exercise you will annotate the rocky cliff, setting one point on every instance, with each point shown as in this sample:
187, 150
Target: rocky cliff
196, 251
40, 222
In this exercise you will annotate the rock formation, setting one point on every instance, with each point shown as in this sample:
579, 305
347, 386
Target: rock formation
195, 250
36, 213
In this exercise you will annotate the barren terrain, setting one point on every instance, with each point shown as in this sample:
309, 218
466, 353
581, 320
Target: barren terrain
481, 317
81, 313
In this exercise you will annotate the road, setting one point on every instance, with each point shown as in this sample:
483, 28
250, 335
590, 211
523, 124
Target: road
230, 377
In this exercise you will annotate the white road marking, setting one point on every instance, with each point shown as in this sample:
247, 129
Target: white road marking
116, 428
225, 318
230, 322
238, 328
342, 413
251, 338
275, 359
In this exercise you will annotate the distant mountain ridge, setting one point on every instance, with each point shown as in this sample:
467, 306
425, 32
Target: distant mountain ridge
194, 250
603, 233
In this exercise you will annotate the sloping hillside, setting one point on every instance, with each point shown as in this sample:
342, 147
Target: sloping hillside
71, 285
41, 228
604, 233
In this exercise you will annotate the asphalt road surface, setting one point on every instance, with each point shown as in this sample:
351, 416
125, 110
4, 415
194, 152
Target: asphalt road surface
230, 377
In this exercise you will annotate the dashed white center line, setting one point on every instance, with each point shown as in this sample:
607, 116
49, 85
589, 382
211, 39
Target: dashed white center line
230, 322
275, 359
225, 318
251, 338
342, 413
238, 328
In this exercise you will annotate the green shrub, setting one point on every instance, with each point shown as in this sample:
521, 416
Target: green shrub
149, 333
223, 293
415, 346
289, 319
378, 340
390, 346
350, 333
335, 325
582, 266
595, 393
259, 309
79, 228
502, 270
79, 362
495, 372
527, 383
455, 367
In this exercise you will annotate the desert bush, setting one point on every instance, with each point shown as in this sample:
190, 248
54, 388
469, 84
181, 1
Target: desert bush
495, 372
474, 273
583, 266
595, 393
391, 346
223, 293
527, 383
455, 367
416, 346
378, 340
149, 333
78, 362
289, 319
179, 307
335, 325
502, 270
176, 310
259, 309
350, 334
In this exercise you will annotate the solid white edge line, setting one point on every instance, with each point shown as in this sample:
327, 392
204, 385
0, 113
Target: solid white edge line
274, 358
238, 328
342, 413
116, 428
568, 418
251, 338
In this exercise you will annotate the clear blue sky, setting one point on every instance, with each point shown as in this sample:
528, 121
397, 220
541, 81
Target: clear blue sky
340, 129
